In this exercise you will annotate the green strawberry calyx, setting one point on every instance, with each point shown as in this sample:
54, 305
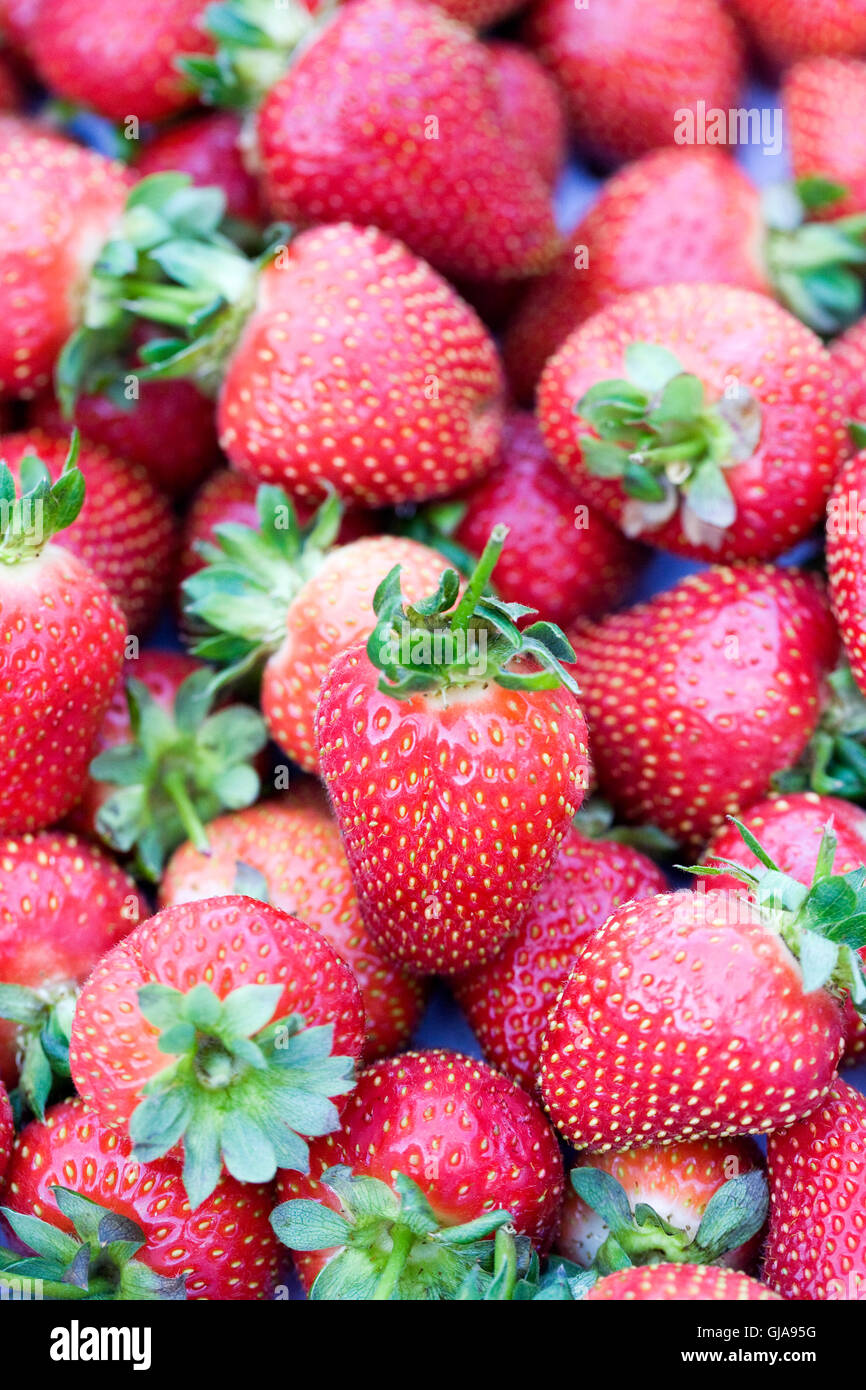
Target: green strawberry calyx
517, 1275
816, 268
44, 1019
181, 769
834, 761
734, 1214
98, 1263
257, 41
656, 432
36, 510
823, 923
244, 1090
452, 639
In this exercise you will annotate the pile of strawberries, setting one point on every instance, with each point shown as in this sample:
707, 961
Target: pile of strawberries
330, 467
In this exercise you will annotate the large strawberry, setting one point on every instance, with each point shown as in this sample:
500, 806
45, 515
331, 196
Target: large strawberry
454, 752
817, 1169
294, 844
630, 72
223, 1025
707, 1014
61, 650
705, 418
507, 1001
434, 1153
786, 30
388, 114
698, 697
672, 1283
107, 1226
63, 904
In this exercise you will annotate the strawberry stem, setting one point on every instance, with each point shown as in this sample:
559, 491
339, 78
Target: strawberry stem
479, 578
395, 1265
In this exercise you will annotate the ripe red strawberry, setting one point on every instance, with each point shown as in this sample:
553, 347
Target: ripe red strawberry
125, 532
698, 697
287, 597
295, 845
102, 57
165, 763
61, 648
682, 214
683, 53
707, 1014
72, 1171
815, 1246
849, 358
824, 100
706, 418
846, 559
7, 1132
531, 106
429, 1142
666, 1283
787, 30
703, 1202
454, 752
263, 1022
63, 904
208, 149
508, 1000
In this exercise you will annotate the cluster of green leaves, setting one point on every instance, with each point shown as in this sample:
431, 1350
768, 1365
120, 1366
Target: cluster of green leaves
44, 1027
834, 761
817, 268
37, 509
255, 43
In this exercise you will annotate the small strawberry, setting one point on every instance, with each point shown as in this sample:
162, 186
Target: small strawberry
787, 30
166, 762
531, 107
703, 1015
815, 1244
208, 148
296, 847
263, 1022
705, 417
824, 100
63, 904
696, 698
684, 54
286, 597
454, 752
128, 1232
507, 1001
434, 1153
666, 1283
7, 1132
125, 532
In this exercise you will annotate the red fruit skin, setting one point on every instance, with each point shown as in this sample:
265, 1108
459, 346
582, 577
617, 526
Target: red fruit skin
295, 843
695, 698
562, 558
787, 30
225, 1249
679, 1284
817, 1173
461, 194
479, 14
208, 149
102, 55
125, 532
448, 849
469, 1137
531, 107
58, 203
682, 53
7, 1130
830, 145
11, 90
17, 18
849, 358
846, 560
721, 336
507, 1001
62, 648
224, 942
63, 904
676, 1180
676, 215
335, 378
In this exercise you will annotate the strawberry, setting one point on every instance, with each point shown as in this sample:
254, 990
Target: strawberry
286, 597
263, 1022
63, 904
824, 100
125, 532
815, 1247
703, 1015
71, 1174
207, 148
698, 697
295, 845
104, 58
787, 30
508, 1000
434, 1153
849, 358
165, 763
846, 559
481, 728
703, 1202
7, 1132
531, 106
667, 1283
61, 649
705, 417
683, 54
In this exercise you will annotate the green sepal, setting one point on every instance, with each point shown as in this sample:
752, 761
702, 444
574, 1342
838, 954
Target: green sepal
37, 509
42, 1042
256, 41
597, 821
817, 268
834, 761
